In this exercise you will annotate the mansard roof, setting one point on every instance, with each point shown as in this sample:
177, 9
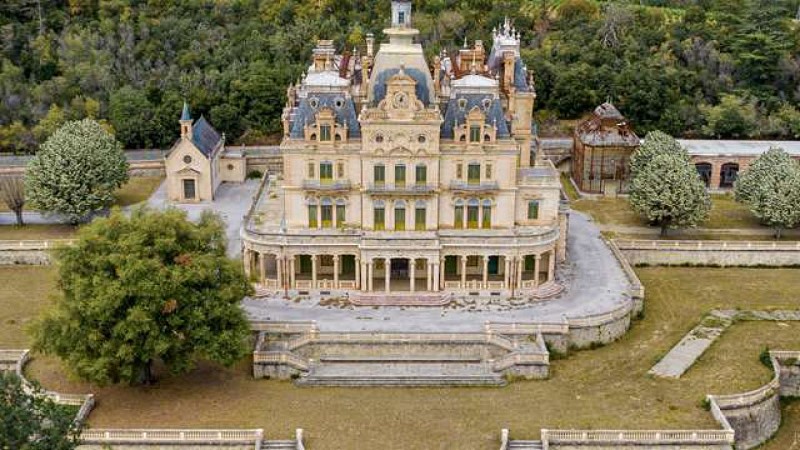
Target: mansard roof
460, 105
421, 88
205, 137
343, 108
521, 76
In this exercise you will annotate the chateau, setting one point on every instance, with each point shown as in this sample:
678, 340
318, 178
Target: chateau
402, 176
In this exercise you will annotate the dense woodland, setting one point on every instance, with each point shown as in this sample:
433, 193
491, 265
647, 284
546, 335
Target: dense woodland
717, 68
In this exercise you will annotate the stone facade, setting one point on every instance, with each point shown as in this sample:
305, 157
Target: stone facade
713, 253
402, 178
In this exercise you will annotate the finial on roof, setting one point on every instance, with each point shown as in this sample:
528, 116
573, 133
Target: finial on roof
186, 115
474, 69
465, 42
402, 69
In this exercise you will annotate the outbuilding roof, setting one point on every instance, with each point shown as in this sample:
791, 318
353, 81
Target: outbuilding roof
205, 137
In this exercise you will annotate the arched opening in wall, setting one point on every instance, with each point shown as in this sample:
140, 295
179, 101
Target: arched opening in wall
728, 175
704, 170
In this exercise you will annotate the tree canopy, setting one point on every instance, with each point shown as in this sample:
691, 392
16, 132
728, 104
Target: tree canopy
76, 171
771, 188
667, 191
149, 287
667, 64
31, 420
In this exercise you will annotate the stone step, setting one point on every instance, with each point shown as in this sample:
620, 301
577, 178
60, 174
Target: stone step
279, 445
399, 359
525, 445
401, 374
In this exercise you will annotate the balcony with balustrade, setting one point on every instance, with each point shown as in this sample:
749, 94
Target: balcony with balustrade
474, 186
413, 189
327, 185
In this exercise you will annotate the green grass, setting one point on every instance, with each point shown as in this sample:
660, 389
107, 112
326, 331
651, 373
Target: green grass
36, 232
137, 190
603, 388
26, 292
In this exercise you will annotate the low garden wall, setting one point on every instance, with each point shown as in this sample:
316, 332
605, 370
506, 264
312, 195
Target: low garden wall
34, 253
710, 253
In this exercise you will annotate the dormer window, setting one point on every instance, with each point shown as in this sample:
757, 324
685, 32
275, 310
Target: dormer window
475, 133
324, 133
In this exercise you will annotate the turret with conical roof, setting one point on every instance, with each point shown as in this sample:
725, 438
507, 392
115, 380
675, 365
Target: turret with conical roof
186, 122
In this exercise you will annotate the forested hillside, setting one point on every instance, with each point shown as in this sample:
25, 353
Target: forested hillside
727, 68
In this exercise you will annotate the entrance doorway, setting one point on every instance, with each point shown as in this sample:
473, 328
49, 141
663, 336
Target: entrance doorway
189, 191
399, 269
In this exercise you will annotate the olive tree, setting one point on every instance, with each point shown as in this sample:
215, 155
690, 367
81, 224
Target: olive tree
770, 187
146, 287
655, 143
667, 191
12, 193
76, 171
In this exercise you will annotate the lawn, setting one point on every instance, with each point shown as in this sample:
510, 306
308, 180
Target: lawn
36, 232
726, 213
602, 388
26, 292
137, 190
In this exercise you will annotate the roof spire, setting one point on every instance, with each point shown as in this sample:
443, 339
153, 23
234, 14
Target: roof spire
186, 115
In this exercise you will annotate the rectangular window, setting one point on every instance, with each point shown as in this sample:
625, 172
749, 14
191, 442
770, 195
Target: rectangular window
533, 209
488, 171
419, 219
325, 172
459, 217
379, 216
400, 175
379, 175
327, 216
341, 216
340, 170
312, 216
472, 217
422, 175
399, 218
188, 189
475, 133
311, 170
474, 174
401, 17
324, 132
487, 217
459, 171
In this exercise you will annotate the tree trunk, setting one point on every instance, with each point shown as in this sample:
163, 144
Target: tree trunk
18, 213
778, 233
664, 230
146, 374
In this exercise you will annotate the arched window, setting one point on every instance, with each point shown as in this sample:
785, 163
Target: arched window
341, 213
379, 215
704, 170
420, 216
728, 175
312, 214
472, 214
487, 214
327, 213
399, 215
458, 213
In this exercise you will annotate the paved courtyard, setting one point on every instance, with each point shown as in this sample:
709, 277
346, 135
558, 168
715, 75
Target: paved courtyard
595, 285
231, 203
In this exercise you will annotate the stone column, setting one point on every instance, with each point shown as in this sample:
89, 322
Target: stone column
333, 207
435, 277
716, 176
358, 271
480, 215
507, 273
313, 271
262, 268
370, 274
551, 269
412, 269
247, 257
428, 280
463, 271
537, 259
520, 266
292, 276
279, 267
485, 272
319, 214
387, 274
336, 271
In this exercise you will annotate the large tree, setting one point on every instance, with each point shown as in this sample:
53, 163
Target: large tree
31, 420
12, 193
655, 143
76, 171
771, 188
147, 287
668, 192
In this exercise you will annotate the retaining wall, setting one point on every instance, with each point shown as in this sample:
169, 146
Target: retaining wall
710, 253
24, 257
790, 373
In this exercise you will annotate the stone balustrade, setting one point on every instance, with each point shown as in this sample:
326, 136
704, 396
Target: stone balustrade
639, 437
710, 253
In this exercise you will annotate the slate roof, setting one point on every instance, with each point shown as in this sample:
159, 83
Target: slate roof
304, 114
186, 115
607, 128
421, 90
520, 76
455, 114
205, 137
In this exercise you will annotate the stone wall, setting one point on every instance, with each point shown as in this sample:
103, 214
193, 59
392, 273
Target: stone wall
755, 423
710, 253
790, 376
25, 257
143, 446
616, 446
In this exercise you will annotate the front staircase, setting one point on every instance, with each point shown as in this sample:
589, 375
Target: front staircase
525, 445
401, 372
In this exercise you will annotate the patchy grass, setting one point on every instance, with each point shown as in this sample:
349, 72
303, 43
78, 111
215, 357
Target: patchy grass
569, 188
36, 232
26, 292
728, 213
137, 190
603, 388
609, 211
